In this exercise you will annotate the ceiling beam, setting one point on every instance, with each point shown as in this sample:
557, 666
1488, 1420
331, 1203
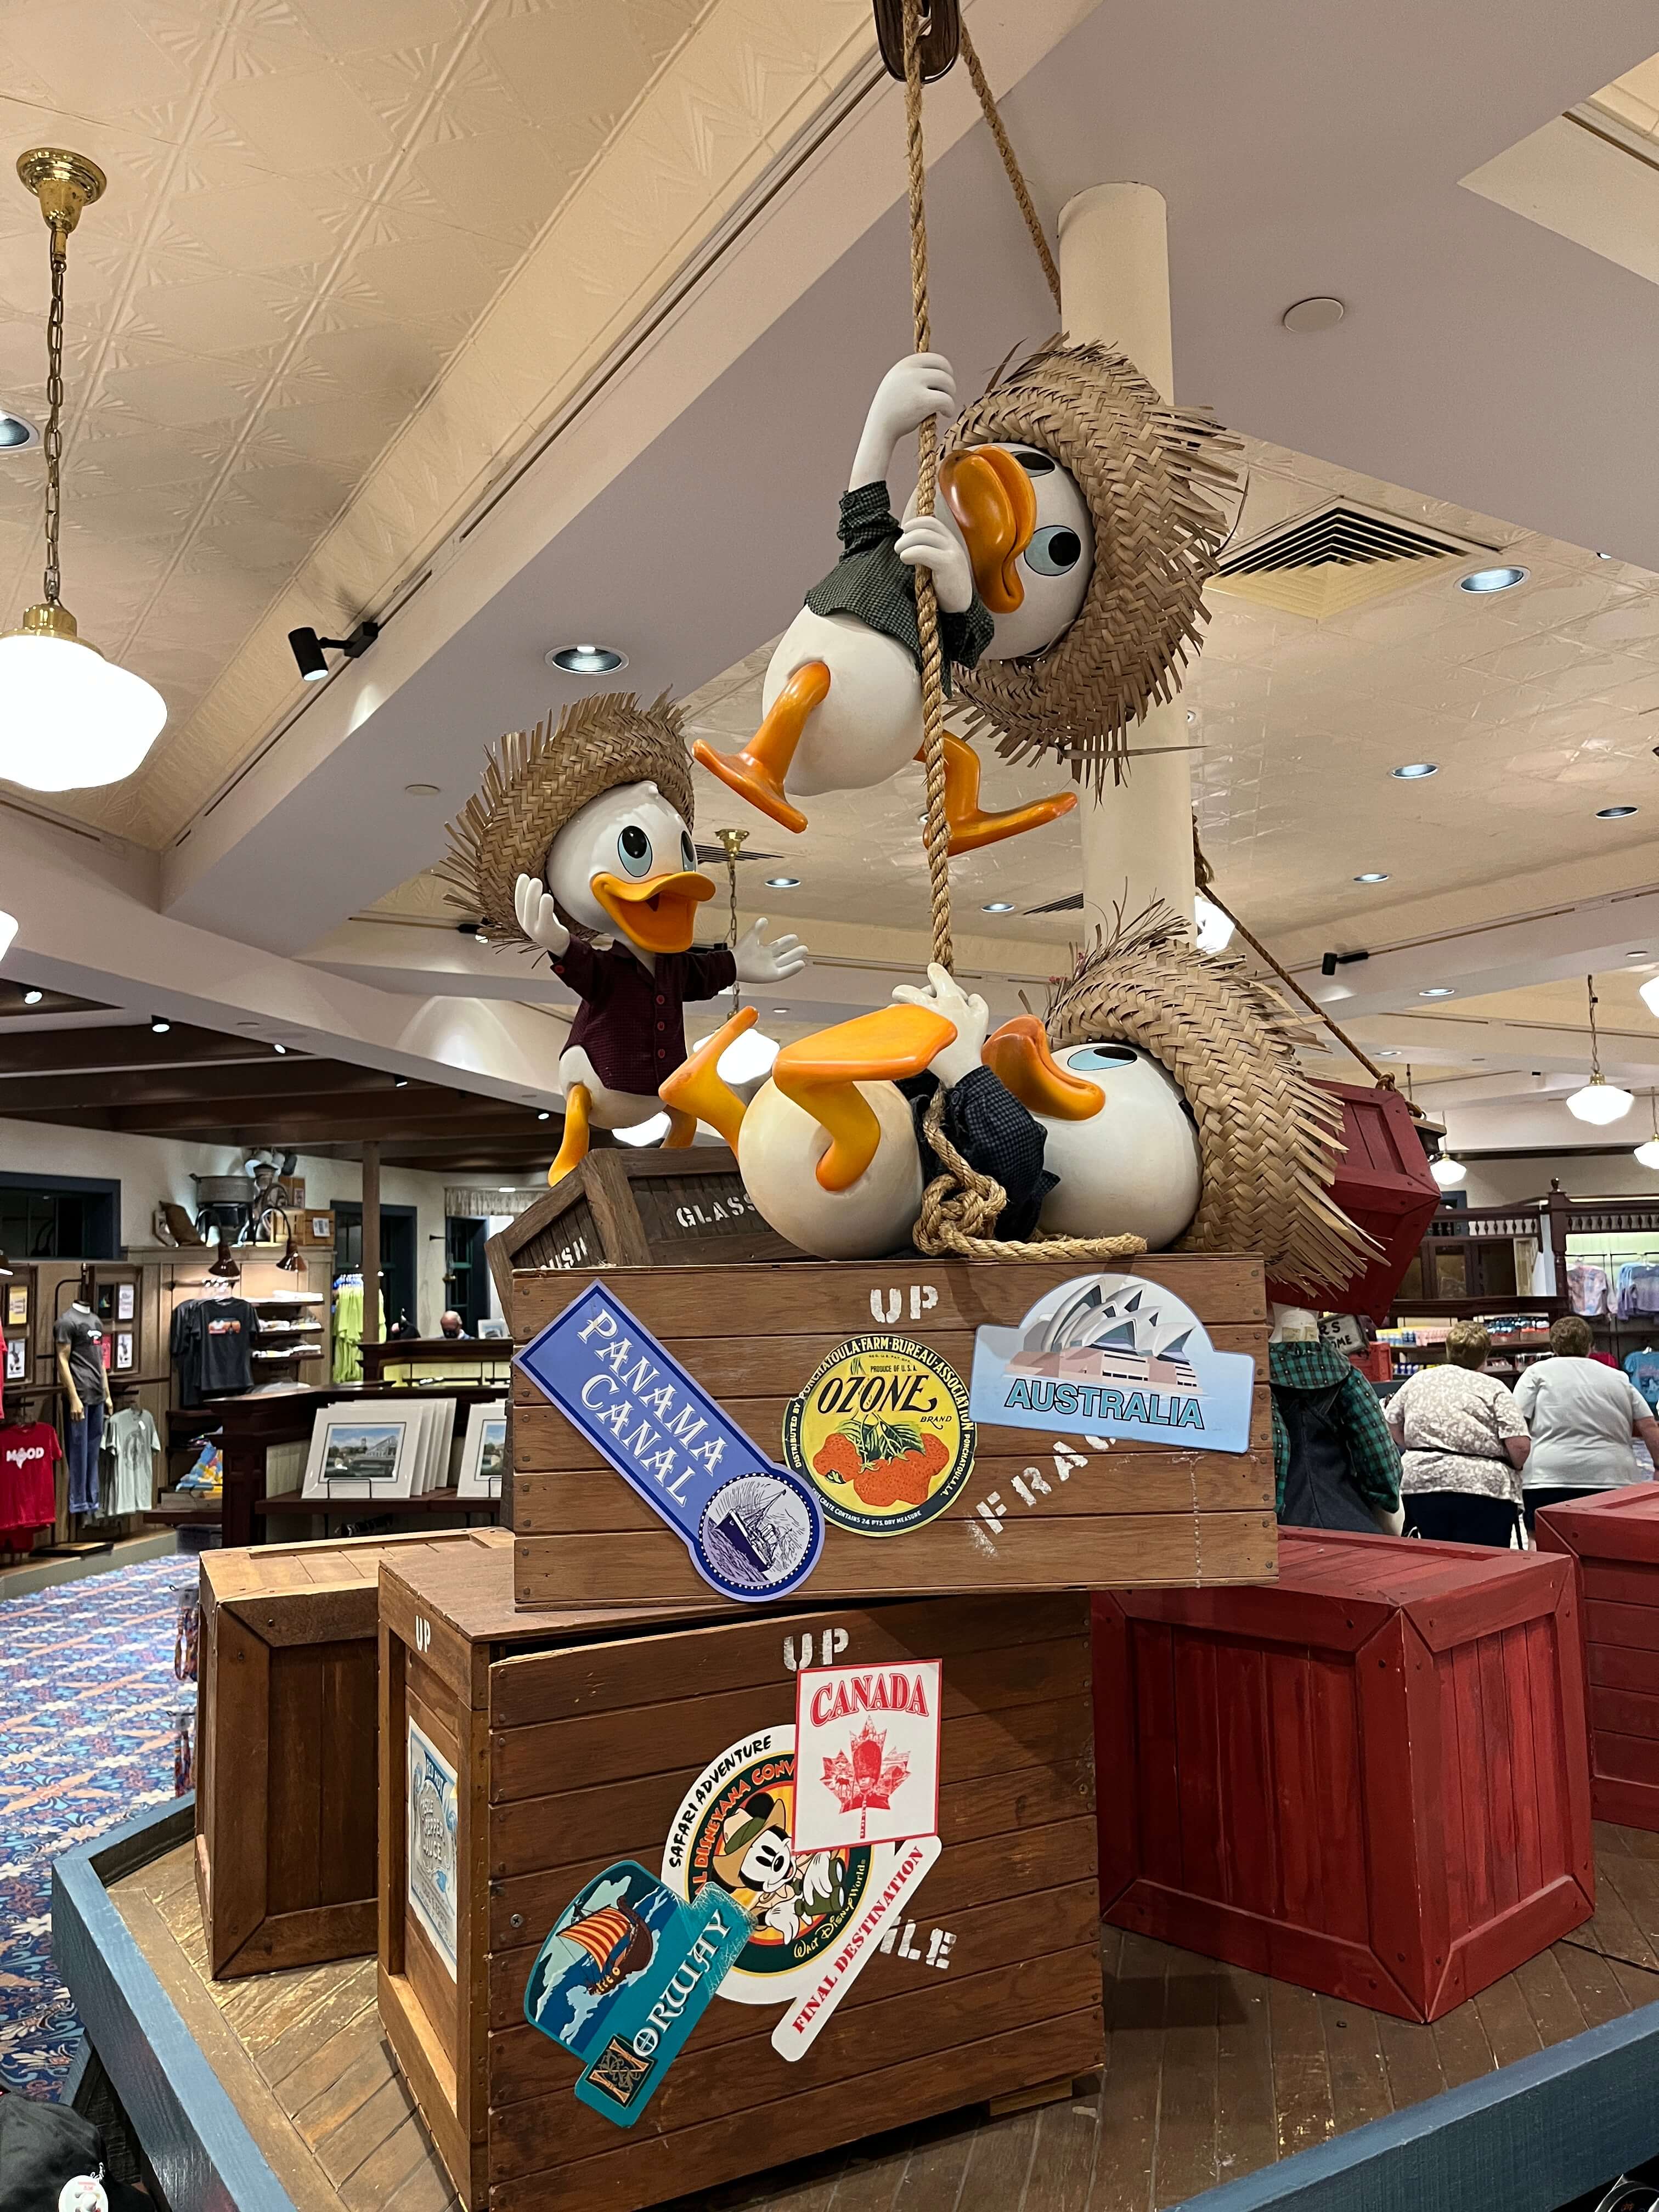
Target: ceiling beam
111, 1051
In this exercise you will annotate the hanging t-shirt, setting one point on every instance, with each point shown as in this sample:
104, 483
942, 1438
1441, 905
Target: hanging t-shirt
131, 1436
83, 1333
28, 1491
225, 1358
1643, 1369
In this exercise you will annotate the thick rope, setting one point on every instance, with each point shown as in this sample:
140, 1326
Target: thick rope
958, 1207
1010, 163
936, 835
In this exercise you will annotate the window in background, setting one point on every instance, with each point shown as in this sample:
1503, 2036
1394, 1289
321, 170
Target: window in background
69, 1218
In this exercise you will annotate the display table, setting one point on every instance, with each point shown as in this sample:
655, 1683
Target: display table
1371, 1779
1614, 1536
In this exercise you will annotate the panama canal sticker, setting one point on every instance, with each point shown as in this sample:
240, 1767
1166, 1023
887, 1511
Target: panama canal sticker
881, 1430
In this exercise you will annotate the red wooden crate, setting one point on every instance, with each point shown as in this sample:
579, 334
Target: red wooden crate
1383, 1182
1370, 1778
1613, 1534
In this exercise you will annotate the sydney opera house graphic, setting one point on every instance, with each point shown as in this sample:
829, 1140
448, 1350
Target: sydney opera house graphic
1098, 1337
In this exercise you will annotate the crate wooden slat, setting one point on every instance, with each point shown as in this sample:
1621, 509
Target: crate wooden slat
1613, 1535
1134, 1516
287, 1771
575, 1737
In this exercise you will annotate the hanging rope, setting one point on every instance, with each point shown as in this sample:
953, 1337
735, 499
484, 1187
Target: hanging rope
1010, 163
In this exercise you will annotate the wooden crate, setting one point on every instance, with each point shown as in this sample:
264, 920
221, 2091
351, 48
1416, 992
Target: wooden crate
1383, 1183
620, 1207
1134, 1514
287, 1771
575, 1742
1614, 1536
1370, 1780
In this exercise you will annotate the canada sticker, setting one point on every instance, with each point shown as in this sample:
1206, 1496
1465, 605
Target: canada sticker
882, 1431
868, 1756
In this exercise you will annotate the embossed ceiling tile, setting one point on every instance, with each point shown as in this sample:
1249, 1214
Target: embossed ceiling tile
755, 59
309, 119
438, 276
97, 55
217, 315
346, 429
266, 227
571, 60
827, 32
375, 26
179, 391
507, 181
305, 492
156, 511
386, 365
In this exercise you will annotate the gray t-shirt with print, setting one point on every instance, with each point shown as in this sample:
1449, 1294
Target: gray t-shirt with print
83, 1333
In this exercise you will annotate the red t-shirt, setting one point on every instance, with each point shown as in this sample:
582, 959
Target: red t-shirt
28, 1495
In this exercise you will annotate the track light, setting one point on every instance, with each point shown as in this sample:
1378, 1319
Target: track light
158, 1025
308, 649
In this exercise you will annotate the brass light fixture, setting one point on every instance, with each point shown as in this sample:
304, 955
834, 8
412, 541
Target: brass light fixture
68, 717
1600, 1102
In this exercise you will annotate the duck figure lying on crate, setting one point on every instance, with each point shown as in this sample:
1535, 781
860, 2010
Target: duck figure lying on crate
579, 844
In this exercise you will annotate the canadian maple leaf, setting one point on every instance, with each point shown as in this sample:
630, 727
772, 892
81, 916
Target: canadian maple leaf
864, 1775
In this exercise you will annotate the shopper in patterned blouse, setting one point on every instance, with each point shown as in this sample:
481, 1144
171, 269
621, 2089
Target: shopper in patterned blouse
1463, 1442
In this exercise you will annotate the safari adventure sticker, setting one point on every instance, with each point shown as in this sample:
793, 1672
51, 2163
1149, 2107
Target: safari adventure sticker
882, 1431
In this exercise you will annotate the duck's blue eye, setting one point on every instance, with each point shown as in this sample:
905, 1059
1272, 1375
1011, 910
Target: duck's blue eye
1093, 1059
1055, 552
634, 850
688, 852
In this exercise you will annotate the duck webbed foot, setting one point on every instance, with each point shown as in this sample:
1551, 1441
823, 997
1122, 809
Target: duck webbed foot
971, 828
574, 1150
757, 773
697, 1092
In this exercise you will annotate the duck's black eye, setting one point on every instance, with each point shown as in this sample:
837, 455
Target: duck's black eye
1055, 552
688, 852
634, 850
1095, 1059
1033, 463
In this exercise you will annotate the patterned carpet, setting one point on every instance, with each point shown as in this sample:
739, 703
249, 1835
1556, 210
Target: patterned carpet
87, 1700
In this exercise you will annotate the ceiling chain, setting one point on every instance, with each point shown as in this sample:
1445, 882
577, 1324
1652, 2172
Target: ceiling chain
52, 440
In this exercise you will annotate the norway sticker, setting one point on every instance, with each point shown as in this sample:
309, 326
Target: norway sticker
867, 1761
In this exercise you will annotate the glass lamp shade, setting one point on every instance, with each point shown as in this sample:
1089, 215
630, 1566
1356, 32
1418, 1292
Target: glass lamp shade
1601, 1101
1648, 1154
1650, 995
7, 931
1214, 929
1446, 1172
69, 718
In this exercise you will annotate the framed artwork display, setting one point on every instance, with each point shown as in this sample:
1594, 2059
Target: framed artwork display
123, 1301
17, 1305
123, 1351
440, 1434
483, 1454
105, 1296
17, 1360
374, 1448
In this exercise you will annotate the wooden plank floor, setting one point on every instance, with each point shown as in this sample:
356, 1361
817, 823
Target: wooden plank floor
1211, 2072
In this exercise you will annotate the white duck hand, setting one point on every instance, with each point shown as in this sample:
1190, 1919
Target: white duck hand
972, 1017
928, 541
533, 904
759, 963
921, 385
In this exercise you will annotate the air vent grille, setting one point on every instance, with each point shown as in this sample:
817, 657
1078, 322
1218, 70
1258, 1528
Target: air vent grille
1336, 557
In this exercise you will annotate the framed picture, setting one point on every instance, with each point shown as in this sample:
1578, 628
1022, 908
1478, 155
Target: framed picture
439, 1435
105, 1296
483, 1454
123, 1351
370, 1450
17, 1305
17, 1360
123, 1301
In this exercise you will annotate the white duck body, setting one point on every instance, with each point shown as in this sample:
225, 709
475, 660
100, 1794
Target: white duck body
607, 1108
779, 1148
1133, 1168
869, 725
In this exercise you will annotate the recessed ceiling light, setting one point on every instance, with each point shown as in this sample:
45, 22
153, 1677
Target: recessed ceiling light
33, 998
1322, 313
1637, 952
507, 1186
545, 1114
998, 906
1492, 580
1438, 991
421, 790
158, 1027
587, 659
400, 1083
780, 1010
1373, 876
281, 1049
783, 883
17, 431
1604, 556
1388, 1052
1413, 771
1614, 813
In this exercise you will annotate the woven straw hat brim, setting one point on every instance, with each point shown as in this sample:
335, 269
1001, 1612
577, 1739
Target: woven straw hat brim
1155, 479
535, 780
1269, 1140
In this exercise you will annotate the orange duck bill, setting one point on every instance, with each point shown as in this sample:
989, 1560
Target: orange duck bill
659, 913
991, 497
1018, 1055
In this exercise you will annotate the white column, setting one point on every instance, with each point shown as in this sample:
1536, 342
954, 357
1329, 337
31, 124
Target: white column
1115, 288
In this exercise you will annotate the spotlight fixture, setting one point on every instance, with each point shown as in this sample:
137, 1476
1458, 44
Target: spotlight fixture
1373, 876
1330, 962
33, 998
1492, 580
1447, 1171
1615, 814
17, 431
1212, 927
1600, 1102
290, 1263
70, 717
158, 1025
1413, 771
587, 660
998, 906
783, 883
308, 649
1438, 991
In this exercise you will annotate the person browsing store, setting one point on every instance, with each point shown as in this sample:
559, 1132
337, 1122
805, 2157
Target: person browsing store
1463, 1442
1582, 1417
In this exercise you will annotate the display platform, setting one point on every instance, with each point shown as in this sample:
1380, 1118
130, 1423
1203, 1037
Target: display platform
278, 2093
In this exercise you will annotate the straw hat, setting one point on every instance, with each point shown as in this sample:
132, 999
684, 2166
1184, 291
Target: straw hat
536, 780
1148, 472
1268, 1139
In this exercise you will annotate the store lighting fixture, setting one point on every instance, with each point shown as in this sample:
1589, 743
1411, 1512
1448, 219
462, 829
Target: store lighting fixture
1615, 814
644, 1132
308, 649
1647, 1155
290, 1263
1414, 771
1600, 1102
1492, 580
545, 1115
33, 998
69, 719
998, 906
158, 1025
421, 790
1212, 927
588, 660
224, 1268
280, 1050
1438, 991
17, 431
783, 883
1447, 1171
1650, 995
1373, 876
7, 931
400, 1083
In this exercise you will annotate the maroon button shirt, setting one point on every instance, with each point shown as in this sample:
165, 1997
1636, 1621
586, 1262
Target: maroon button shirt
632, 1045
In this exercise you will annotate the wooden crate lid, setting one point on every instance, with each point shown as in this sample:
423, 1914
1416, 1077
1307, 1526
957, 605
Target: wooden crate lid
326, 1590
472, 1593
1606, 1524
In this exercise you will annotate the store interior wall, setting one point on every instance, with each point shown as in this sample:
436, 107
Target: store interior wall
1502, 1182
153, 1169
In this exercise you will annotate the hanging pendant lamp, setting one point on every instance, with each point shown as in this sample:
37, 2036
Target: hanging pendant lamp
1647, 1155
1599, 1102
68, 717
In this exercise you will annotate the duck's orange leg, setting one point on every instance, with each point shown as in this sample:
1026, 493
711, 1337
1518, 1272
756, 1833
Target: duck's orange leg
969, 828
574, 1150
697, 1092
757, 772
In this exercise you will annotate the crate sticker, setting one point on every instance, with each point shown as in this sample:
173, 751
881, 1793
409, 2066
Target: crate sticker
881, 1429
754, 1531
626, 1971
867, 1765
431, 1821
1114, 1356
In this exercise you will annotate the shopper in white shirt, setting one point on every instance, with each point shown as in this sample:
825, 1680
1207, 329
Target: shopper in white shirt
1583, 1416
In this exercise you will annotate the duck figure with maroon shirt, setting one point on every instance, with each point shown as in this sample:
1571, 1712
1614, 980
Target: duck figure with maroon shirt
579, 844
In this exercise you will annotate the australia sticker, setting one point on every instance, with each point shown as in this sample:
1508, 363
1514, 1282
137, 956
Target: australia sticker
882, 1431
